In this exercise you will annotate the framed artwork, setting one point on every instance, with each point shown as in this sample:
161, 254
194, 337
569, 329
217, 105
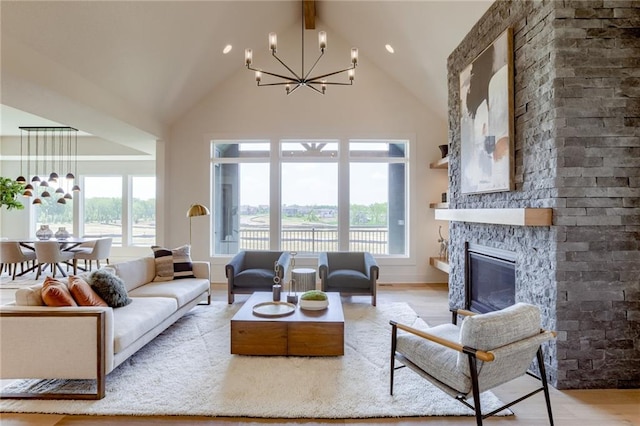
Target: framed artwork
486, 119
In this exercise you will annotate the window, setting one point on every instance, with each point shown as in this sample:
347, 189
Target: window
241, 190
307, 179
309, 188
102, 211
143, 210
377, 208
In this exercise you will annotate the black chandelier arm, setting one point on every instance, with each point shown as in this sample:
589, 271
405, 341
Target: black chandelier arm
286, 66
332, 73
306, 77
294, 89
282, 83
284, 77
328, 83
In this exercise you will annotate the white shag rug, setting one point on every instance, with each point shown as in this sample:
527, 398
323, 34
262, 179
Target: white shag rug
188, 370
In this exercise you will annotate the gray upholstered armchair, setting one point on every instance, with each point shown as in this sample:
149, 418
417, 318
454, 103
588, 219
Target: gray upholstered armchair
250, 271
350, 273
486, 351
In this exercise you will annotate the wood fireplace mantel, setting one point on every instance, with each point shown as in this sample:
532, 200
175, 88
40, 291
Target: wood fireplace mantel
515, 217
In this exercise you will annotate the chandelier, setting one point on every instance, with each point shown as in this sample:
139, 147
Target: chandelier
52, 148
293, 81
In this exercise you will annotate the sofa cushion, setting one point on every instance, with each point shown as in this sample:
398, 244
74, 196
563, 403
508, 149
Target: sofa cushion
250, 278
110, 288
173, 264
29, 296
134, 320
82, 292
136, 272
56, 293
348, 278
432, 357
184, 291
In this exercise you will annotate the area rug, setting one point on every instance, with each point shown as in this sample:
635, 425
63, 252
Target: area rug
188, 370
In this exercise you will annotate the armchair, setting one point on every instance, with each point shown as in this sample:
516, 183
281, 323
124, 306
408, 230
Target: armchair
350, 273
250, 271
486, 351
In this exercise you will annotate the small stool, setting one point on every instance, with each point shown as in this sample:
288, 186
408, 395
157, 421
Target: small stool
305, 279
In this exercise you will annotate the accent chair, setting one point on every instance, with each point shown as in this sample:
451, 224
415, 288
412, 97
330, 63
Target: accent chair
487, 350
254, 270
349, 273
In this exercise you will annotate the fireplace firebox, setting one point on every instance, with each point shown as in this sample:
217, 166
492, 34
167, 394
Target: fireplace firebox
490, 278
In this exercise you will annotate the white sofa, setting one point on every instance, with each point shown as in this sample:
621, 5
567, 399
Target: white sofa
41, 342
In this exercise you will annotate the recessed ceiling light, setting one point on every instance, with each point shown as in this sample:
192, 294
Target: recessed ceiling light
389, 48
227, 49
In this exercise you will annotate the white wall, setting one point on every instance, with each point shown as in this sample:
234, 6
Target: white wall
374, 107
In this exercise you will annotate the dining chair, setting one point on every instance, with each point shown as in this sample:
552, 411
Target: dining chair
99, 249
12, 255
49, 253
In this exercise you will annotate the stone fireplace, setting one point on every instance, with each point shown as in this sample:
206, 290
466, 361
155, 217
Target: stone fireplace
577, 151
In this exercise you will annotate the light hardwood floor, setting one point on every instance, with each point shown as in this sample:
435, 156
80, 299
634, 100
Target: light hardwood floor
576, 407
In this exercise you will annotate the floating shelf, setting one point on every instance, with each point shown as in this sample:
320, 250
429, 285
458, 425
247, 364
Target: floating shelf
439, 205
438, 263
443, 163
516, 217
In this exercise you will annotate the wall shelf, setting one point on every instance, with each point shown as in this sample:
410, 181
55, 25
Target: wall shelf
439, 205
438, 263
516, 217
443, 163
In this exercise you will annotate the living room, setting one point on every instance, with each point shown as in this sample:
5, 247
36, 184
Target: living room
386, 101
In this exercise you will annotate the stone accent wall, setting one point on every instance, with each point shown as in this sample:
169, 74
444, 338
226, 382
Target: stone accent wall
597, 127
577, 150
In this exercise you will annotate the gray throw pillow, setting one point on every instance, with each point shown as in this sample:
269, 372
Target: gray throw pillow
110, 287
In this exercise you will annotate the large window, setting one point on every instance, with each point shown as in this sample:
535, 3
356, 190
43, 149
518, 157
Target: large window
309, 188
143, 210
102, 211
122, 207
241, 190
332, 195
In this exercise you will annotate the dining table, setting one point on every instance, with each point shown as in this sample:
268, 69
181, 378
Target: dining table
66, 244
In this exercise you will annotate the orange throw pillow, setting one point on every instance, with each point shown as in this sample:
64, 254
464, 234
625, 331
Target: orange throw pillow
56, 293
83, 294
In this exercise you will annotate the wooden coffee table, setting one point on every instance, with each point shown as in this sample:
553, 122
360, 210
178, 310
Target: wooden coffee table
302, 333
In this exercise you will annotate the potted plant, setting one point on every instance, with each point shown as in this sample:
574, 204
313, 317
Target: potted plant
9, 191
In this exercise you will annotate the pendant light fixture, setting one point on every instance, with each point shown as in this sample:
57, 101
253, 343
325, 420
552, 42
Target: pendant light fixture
50, 137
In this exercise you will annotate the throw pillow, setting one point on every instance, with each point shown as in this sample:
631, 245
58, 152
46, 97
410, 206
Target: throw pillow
30, 296
173, 264
83, 294
110, 288
56, 293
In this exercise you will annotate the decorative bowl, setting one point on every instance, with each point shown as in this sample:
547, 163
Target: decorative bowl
313, 305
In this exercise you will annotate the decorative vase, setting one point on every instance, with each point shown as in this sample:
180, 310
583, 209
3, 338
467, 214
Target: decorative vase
444, 150
44, 233
62, 233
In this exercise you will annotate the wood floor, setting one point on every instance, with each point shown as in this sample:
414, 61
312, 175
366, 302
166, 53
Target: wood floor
579, 407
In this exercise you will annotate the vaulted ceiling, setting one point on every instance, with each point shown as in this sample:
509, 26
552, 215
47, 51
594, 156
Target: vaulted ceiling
157, 59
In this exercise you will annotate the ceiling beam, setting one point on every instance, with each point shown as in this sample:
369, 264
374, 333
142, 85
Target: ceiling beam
309, 14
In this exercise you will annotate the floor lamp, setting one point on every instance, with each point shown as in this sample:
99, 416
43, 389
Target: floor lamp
196, 210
